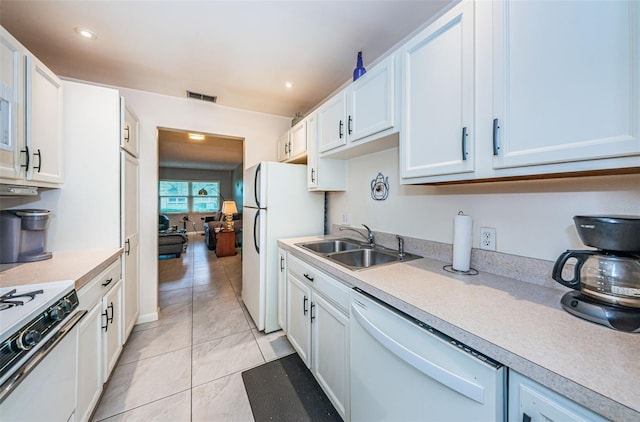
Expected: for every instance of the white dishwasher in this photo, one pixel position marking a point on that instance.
(404, 370)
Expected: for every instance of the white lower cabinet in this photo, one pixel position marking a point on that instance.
(100, 336)
(282, 289)
(531, 402)
(319, 328)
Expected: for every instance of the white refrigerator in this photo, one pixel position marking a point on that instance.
(276, 205)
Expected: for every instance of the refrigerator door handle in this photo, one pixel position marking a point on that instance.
(255, 187)
(255, 237)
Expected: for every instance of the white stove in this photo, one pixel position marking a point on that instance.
(30, 315)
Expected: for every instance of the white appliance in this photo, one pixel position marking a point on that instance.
(276, 205)
(404, 370)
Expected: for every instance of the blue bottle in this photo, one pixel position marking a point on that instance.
(359, 70)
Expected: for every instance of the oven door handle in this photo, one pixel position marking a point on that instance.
(12, 383)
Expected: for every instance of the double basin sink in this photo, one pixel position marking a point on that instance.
(355, 255)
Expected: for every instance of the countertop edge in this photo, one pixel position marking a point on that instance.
(564, 386)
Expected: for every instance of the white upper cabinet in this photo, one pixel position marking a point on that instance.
(364, 112)
(292, 145)
(11, 106)
(323, 174)
(566, 82)
(438, 128)
(30, 118)
(44, 123)
(129, 139)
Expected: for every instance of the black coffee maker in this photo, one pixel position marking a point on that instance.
(606, 281)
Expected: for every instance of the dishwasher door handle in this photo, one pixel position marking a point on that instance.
(456, 383)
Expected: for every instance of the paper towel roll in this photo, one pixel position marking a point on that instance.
(462, 227)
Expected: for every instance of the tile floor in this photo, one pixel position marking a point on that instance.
(186, 366)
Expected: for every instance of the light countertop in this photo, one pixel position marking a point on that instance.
(80, 266)
(519, 324)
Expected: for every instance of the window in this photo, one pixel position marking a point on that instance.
(183, 196)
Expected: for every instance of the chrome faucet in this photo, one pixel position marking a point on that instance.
(400, 246)
(369, 236)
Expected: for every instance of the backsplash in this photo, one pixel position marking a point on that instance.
(529, 270)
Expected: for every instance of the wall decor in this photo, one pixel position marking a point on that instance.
(380, 188)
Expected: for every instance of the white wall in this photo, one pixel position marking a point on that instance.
(531, 218)
(259, 131)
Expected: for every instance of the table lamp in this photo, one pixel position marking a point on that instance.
(228, 209)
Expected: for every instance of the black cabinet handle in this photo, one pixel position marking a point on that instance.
(39, 160)
(308, 277)
(496, 147)
(105, 314)
(111, 319)
(313, 306)
(340, 125)
(313, 179)
(27, 158)
(526, 418)
(349, 125)
(464, 143)
(106, 283)
(304, 305)
(281, 263)
(126, 136)
(127, 249)
(286, 148)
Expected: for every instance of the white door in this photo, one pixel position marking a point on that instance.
(283, 147)
(112, 328)
(298, 140)
(130, 239)
(372, 102)
(129, 138)
(282, 289)
(254, 264)
(331, 123)
(44, 122)
(11, 106)
(298, 308)
(90, 377)
(330, 354)
(559, 95)
(438, 88)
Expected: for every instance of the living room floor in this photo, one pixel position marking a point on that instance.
(187, 364)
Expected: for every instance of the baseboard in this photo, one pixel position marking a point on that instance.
(153, 316)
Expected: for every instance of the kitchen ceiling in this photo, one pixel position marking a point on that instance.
(242, 52)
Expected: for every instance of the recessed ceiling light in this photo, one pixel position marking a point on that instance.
(288, 84)
(196, 137)
(86, 33)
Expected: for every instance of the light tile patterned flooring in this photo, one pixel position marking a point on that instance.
(186, 366)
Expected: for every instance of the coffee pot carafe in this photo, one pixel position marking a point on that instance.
(24, 233)
(606, 281)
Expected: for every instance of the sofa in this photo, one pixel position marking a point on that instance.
(169, 242)
(215, 222)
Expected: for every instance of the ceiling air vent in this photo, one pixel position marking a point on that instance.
(203, 97)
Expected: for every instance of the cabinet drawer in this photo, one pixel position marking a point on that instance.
(330, 288)
(92, 292)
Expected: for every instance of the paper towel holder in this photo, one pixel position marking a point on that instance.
(449, 268)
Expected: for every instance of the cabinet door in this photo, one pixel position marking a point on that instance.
(283, 147)
(298, 141)
(438, 87)
(44, 122)
(372, 102)
(11, 106)
(130, 238)
(331, 123)
(298, 306)
(111, 328)
(90, 376)
(330, 353)
(565, 95)
(129, 137)
(312, 152)
(282, 289)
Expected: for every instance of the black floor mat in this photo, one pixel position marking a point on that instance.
(285, 390)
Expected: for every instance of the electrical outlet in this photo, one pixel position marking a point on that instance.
(488, 238)
(345, 218)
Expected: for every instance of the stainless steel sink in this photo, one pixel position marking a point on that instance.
(367, 258)
(355, 255)
(324, 247)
